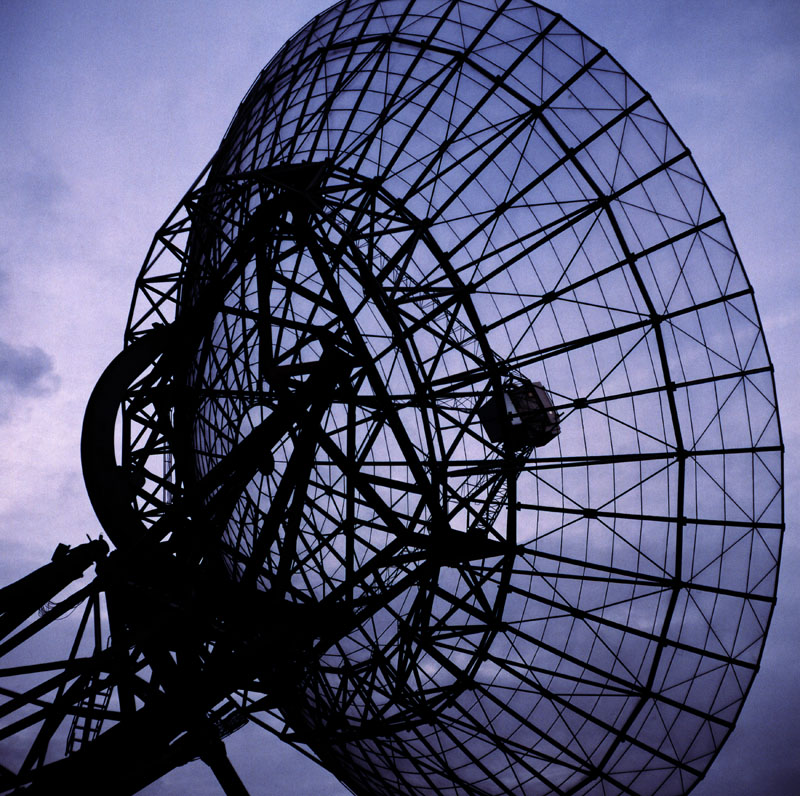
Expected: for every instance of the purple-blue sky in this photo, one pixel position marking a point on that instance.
(108, 111)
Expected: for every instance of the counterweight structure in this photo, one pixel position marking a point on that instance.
(450, 451)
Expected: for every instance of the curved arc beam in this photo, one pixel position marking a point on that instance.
(109, 491)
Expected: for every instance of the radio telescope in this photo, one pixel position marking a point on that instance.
(448, 448)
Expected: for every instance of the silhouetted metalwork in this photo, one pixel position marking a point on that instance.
(449, 451)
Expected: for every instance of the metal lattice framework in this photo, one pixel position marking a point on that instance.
(419, 209)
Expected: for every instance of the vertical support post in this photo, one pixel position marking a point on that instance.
(216, 758)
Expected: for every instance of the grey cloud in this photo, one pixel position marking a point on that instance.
(26, 370)
(3, 278)
(36, 188)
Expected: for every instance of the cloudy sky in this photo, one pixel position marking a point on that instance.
(109, 110)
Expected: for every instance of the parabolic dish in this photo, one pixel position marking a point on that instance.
(418, 209)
